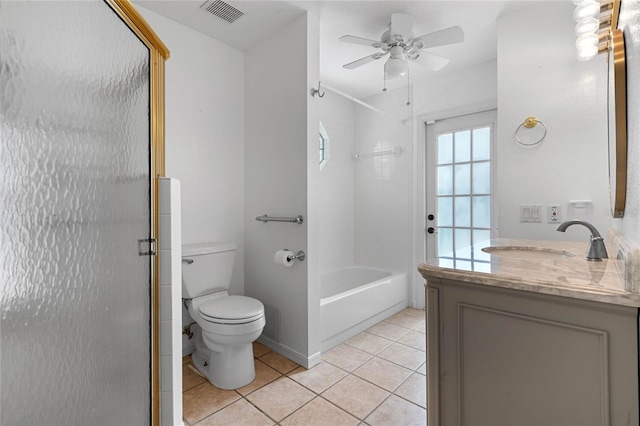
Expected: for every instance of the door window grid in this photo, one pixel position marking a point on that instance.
(464, 197)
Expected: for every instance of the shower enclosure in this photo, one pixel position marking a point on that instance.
(76, 163)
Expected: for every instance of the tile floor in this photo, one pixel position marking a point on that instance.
(376, 378)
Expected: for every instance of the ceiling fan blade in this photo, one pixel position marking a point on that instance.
(441, 38)
(360, 40)
(429, 60)
(401, 25)
(362, 61)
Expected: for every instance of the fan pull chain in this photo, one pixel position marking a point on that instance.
(408, 91)
(384, 79)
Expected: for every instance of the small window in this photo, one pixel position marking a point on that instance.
(323, 146)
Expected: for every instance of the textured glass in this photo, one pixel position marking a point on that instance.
(74, 200)
(462, 241)
(481, 144)
(445, 242)
(445, 180)
(462, 211)
(462, 146)
(481, 178)
(445, 149)
(482, 212)
(445, 211)
(462, 179)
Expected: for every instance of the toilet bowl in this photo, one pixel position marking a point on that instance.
(228, 324)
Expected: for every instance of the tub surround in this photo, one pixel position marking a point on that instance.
(614, 280)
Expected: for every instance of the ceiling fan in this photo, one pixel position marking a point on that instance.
(400, 44)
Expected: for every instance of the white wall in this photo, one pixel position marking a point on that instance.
(630, 23)
(336, 205)
(205, 137)
(539, 75)
(278, 110)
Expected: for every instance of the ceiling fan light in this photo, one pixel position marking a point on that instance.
(396, 67)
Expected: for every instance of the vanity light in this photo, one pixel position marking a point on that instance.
(595, 20)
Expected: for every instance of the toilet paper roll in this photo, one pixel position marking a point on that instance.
(284, 257)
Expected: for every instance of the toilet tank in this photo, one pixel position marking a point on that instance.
(210, 270)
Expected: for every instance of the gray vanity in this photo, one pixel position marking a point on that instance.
(536, 337)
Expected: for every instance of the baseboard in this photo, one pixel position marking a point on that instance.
(293, 355)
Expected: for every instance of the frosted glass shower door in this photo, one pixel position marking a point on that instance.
(74, 201)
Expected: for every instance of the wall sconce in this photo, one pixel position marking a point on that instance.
(595, 20)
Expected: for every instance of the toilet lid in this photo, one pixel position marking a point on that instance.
(232, 310)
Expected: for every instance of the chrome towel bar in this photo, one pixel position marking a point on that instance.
(264, 218)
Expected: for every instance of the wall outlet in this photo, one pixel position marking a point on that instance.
(553, 213)
(531, 213)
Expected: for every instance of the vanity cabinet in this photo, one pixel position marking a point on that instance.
(501, 356)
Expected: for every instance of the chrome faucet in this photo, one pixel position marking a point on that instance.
(596, 251)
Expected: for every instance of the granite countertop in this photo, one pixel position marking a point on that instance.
(611, 281)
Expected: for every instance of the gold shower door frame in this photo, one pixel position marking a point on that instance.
(158, 55)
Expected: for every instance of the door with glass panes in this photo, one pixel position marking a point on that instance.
(460, 185)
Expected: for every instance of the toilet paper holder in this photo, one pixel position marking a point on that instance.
(298, 256)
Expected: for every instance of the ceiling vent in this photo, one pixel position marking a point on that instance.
(222, 10)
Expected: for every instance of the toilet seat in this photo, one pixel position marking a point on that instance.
(231, 310)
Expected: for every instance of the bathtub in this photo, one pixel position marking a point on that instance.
(353, 299)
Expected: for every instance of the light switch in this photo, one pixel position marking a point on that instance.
(530, 213)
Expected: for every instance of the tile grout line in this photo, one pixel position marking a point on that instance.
(372, 356)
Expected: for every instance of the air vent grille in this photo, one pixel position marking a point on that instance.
(222, 10)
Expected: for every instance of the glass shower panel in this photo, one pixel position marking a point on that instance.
(74, 200)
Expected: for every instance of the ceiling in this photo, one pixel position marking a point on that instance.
(368, 19)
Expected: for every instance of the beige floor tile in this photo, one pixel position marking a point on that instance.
(421, 328)
(280, 398)
(264, 375)
(346, 357)
(318, 378)
(402, 320)
(403, 355)
(369, 342)
(186, 359)
(415, 340)
(414, 389)
(388, 331)
(238, 413)
(259, 349)
(320, 412)
(413, 312)
(204, 400)
(397, 411)
(355, 396)
(383, 373)
(190, 378)
(278, 362)
(423, 369)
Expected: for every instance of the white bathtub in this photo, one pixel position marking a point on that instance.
(353, 299)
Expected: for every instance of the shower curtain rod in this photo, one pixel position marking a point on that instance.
(364, 104)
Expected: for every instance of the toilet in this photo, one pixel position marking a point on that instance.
(227, 324)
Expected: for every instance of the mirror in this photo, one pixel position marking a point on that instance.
(324, 146)
(617, 108)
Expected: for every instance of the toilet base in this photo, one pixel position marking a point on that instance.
(232, 368)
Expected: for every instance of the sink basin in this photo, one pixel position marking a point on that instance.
(523, 252)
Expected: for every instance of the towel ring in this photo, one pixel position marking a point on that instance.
(530, 123)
